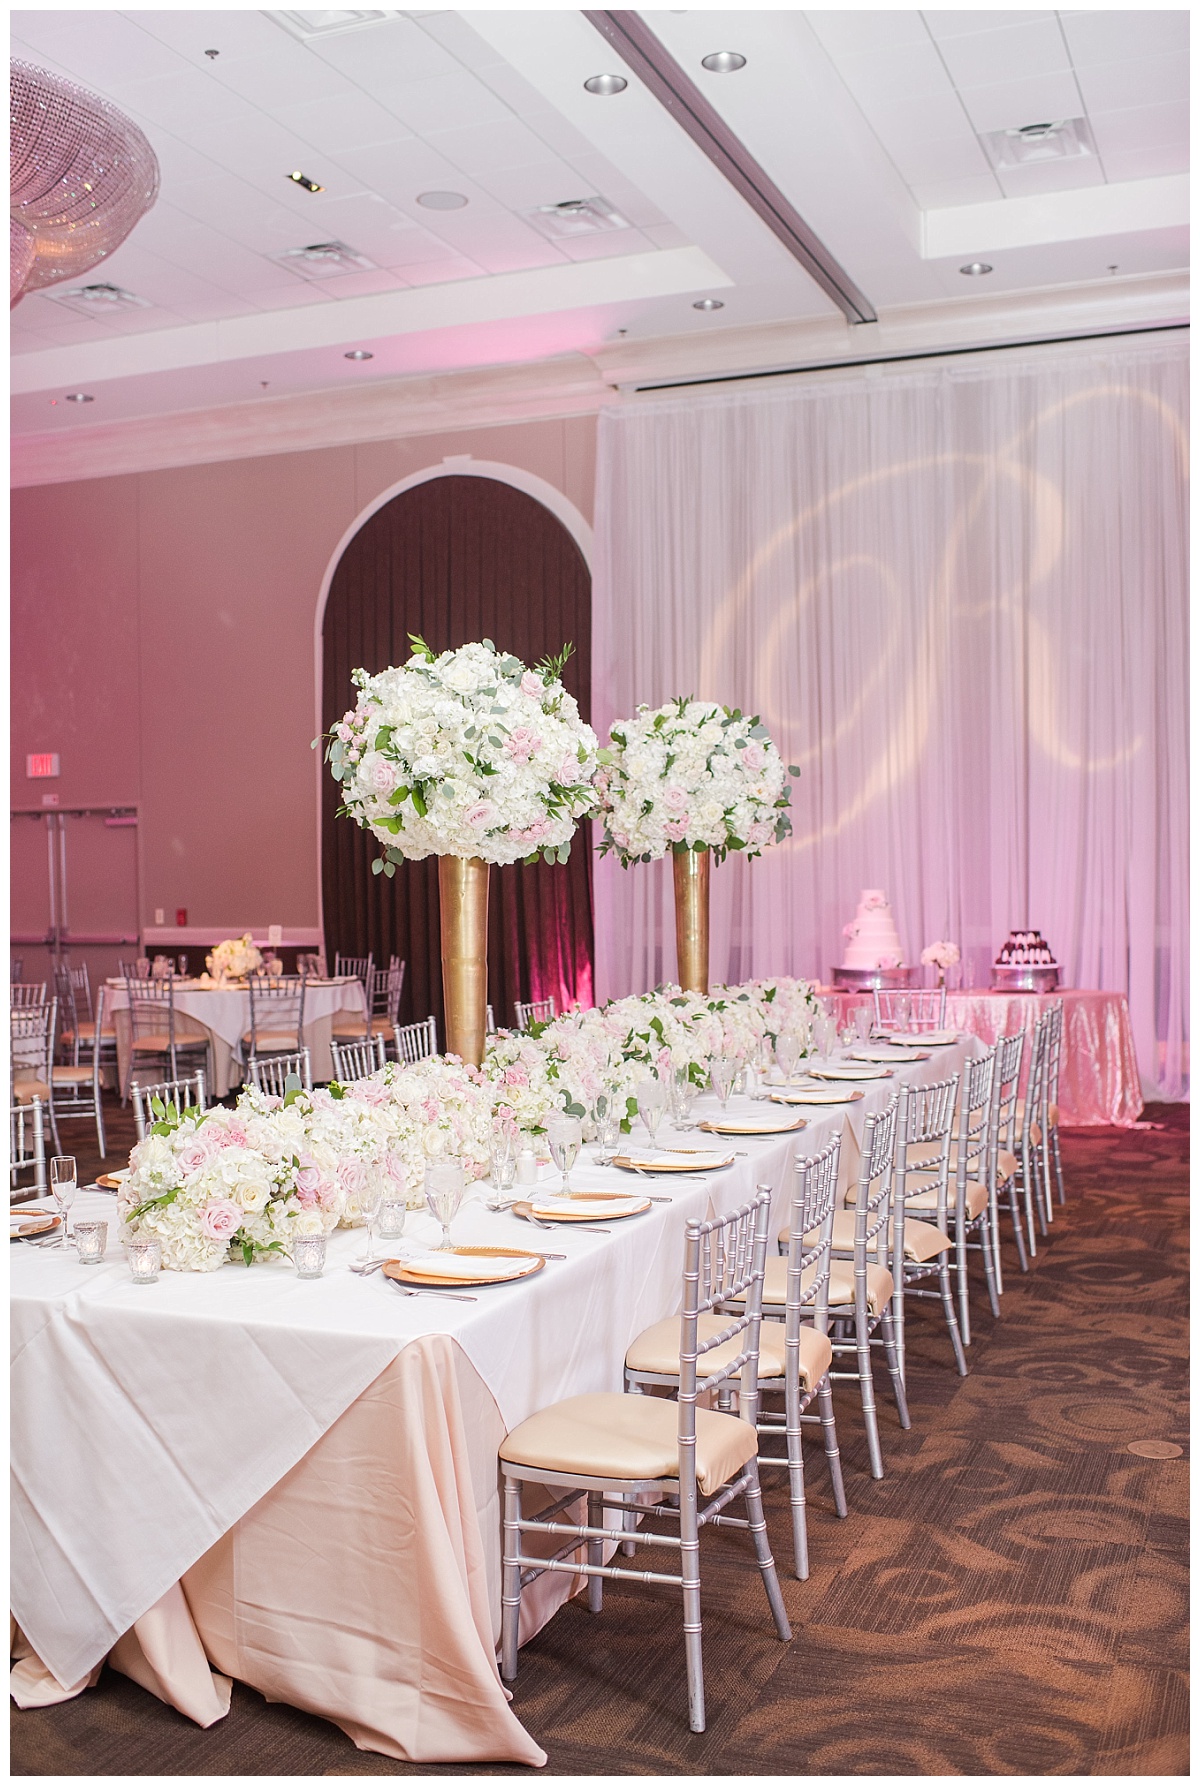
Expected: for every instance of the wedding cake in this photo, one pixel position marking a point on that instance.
(872, 940)
(1025, 963)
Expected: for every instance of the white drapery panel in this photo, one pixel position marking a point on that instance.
(957, 596)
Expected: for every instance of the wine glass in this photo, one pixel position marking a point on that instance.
(370, 1197)
(63, 1185)
(721, 1075)
(444, 1185)
(565, 1134)
(608, 1127)
(502, 1160)
(864, 1018)
(650, 1105)
(787, 1053)
(682, 1094)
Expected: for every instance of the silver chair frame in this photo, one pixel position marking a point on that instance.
(31, 1032)
(185, 1094)
(416, 1041)
(276, 1006)
(853, 1333)
(1032, 1177)
(149, 1002)
(1053, 1065)
(538, 1010)
(927, 1007)
(1006, 1083)
(75, 1098)
(357, 1060)
(724, 1261)
(270, 1073)
(971, 1154)
(925, 1118)
(26, 1147)
(25, 994)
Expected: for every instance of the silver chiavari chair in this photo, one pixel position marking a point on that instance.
(538, 1010)
(609, 1446)
(1053, 1065)
(16, 968)
(184, 1094)
(358, 1060)
(24, 995)
(355, 1026)
(898, 1009)
(270, 1073)
(26, 1148)
(79, 1031)
(153, 1031)
(799, 1283)
(861, 1296)
(276, 1015)
(970, 1204)
(1029, 1136)
(416, 1041)
(31, 1058)
(77, 1084)
(923, 1249)
(1003, 1163)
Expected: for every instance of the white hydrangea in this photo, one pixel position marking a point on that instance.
(466, 754)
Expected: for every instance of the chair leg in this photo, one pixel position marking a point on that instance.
(894, 1371)
(689, 1569)
(510, 1587)
(989, 1265)
(960, 1357)
(1014, 1210)
(795, 1468)
(1058, 1172)
(99, 1117)
(964, 1299)
(866, 1390)
(762, 1550)
(1027, 1198)
(595, 1553)
(994, 1222)
(833, 1456)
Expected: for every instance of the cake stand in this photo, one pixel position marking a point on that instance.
(1024, 977)
(871, 979)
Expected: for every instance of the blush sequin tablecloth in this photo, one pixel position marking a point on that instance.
(1098, 1082)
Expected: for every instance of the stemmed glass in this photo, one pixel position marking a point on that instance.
(502, 1160)
(787, 1053)
(608, 1127)
(63, 1185)
(650, 1105)
(370, 1199)
(902, 1006)
(565, 1134)
(444, 1185)
(864, 1019)
(721, 1075)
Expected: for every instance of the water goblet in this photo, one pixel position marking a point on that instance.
(721, 1075)
(63, 1186)
(565, 1134)
(787, 1053)
(650, 1105)
(369, 1199)
(864, 1019)
(502, 1168)
(445, 1181)
(902, 1010)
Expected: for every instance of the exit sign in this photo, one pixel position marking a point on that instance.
(41, 766)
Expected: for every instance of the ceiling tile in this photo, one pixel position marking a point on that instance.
(523, 189)
(285, 76)
(448, 102)
(949, 159)
(985, 57)
(391, 52)
(1151, 80)
(1141, 127)
(1010, 104)
(411, 248)
(1113, 36)
(959, 24)
(443, 272)
(234, 34)
(346, 121)
(1146, 164)
(452, 32)
(930, 119)
(362, 284)
(605, 245)
(103, 46)
(853, 30)
(937, 195)
(486, 148)
(189, 103)
(911, 69)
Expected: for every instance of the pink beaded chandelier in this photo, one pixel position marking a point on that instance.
(82, 176)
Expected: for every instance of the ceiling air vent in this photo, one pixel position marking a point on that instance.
(324, 260)
(577, 217)
(98, 300)
(306, 25)
(1064, 140)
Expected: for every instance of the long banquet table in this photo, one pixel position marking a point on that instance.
(1099, 1081)
(221, 1015)
(295, 1484)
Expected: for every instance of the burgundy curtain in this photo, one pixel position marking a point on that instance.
(458, 559)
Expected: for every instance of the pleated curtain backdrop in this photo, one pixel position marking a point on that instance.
(456, 559)
(957, 594)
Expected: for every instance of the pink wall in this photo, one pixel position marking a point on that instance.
(162, 643)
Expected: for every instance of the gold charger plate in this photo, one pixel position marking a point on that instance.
(406, 1272)
(901, 1057)
(108, 1181)
(825, 1095)
(705, 1161)
(36, 1224)
(731, 1126)
(565, 1214)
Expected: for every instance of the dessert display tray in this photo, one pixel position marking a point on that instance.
(866, 979)
(1024, 978)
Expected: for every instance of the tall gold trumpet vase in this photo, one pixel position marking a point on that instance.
(463, 891)
(692, 869)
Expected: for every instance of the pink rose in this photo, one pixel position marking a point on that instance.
(381, 776)
(482, 813)
(675, 800)
(754, 756)
(220, 1219)
(533, 686)
(523, 744)
(676, 829)
(351, 1177)
(532, 833)
(192, 1157)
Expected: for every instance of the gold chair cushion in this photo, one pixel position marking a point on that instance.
(977, 1197)
(347, 1027)
(87, 1033)
(656, 1351)
(71, 1075)
(1006, 1164)
(923, 1242)
(841, 1284)
(1051, 1116)
(629, 1438)
(155, 1044)
(26, 1090)
(273, 1042)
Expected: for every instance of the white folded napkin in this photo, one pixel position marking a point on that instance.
(699, 1159)
(933, 1038)
(766, 1123)
(458, 1265)
(885, 1054)
(850, 1073)
(591, 1208)
(811, 1094)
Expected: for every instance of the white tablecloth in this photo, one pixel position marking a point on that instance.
(225, 1015)
(146, 1421)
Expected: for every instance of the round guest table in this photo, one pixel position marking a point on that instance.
(1098, 1082)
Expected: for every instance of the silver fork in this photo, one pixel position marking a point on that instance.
(579, 1229)
(447, 1295)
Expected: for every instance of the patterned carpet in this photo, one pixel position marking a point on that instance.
(1010, 1599)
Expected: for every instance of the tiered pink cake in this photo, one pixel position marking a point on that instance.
(872, 940)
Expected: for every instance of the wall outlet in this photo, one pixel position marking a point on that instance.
(158, 914)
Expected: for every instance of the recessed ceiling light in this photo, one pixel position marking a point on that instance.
(1063, 140)
(328, 23)
(212, 54)
(709, 304)
(442, 201)
(300, 179)
(974, 267)
(358, 353)
(100, 297)
(606, 84)
(723, 62)
(79, 397)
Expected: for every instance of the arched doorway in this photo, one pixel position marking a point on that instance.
(457, 558)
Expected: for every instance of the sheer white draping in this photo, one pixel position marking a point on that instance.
(957, 596)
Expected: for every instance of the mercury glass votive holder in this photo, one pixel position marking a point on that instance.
(145, 1260)
(392, 1212)
(308, 1255)
(91, 1241)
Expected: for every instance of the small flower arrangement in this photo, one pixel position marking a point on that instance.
(691, 775)
(234, 959)
(940, 955)
(467, 753)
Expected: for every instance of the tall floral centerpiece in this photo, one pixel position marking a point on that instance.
(698, 780)
(471, 757)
